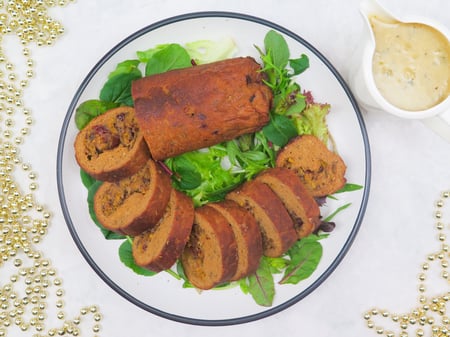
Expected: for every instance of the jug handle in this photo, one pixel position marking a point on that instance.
(440, 124)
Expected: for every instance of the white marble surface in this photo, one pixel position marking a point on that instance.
(410, 167)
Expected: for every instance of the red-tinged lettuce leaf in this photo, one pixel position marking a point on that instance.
(261, 285)
(305, 256)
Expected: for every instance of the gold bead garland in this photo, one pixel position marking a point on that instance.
(33, 290)
(430, 317)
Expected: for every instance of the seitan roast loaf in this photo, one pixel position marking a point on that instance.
(159, 247)
(276, 226)
(300, 204)
(133, 204)
(210, 256)
(321, 170)
(247, 235)
(192, 108)
(111, 147)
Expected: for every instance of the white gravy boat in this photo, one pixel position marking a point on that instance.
(361, 78)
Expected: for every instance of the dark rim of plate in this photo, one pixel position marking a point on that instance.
(189, 320)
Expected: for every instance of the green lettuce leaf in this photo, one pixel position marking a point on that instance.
(206, 51)
(145, 55)
(109, 235)
(90, 109)
(126, 67)
(201, 175)
(126, 256)
(313, 121)
(117, 88)
(171, 57)
(280, 130)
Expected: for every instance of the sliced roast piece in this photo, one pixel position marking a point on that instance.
(134, 204)
(298, 201)
(210, 256)
(159, 247)
(247, 235)
(276, 226)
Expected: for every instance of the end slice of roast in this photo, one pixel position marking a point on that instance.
(111, 146)
(321, 170)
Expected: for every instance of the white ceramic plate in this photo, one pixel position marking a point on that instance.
(162, 294)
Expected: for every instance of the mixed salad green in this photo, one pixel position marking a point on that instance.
(207, 175)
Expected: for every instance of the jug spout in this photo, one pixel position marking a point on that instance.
(370, 9)
(373, 8)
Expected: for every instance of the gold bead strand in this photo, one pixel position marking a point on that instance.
(431, 314)
(24, 301)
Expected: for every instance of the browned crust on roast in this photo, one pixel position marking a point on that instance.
(136, 203)
(111, 146)
(210, 256)
(321, 170)
(247, 235)
(196, 107)
(159, 247)
(276, 226)
(300, 204)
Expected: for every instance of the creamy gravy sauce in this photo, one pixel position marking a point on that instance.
(411, 65)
